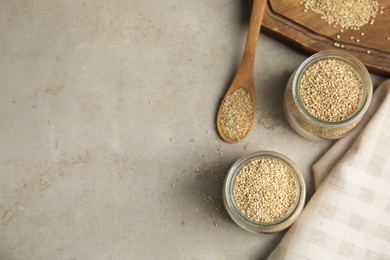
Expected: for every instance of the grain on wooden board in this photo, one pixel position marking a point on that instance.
(349, 14)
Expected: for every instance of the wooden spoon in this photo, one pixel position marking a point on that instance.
(244, 77)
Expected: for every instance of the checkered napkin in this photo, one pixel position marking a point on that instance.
(348, 216)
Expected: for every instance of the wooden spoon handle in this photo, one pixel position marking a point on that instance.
(257, 14)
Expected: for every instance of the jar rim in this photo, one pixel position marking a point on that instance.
(265, 227)
(347, 58)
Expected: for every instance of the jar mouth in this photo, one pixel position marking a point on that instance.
(231, 203)
(348, 59)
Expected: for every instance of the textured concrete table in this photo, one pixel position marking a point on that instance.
(107, 128)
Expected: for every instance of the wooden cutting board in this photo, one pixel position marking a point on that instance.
(287, 20)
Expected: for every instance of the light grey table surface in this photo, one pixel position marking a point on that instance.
(107, 128)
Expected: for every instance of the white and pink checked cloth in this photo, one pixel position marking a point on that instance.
(348, 216)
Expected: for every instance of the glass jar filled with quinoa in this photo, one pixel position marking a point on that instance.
(327, 95)
(264, 192)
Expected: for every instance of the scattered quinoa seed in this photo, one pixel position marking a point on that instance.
(265, 190)
(236, 114)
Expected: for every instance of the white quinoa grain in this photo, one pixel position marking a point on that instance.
(265, 190)
(351, 14)
(331, 90)
(236, 114)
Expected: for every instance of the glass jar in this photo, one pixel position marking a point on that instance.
(311, 127)
(242, 219)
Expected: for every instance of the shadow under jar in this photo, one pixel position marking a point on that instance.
(327, 95)
(264, 192)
